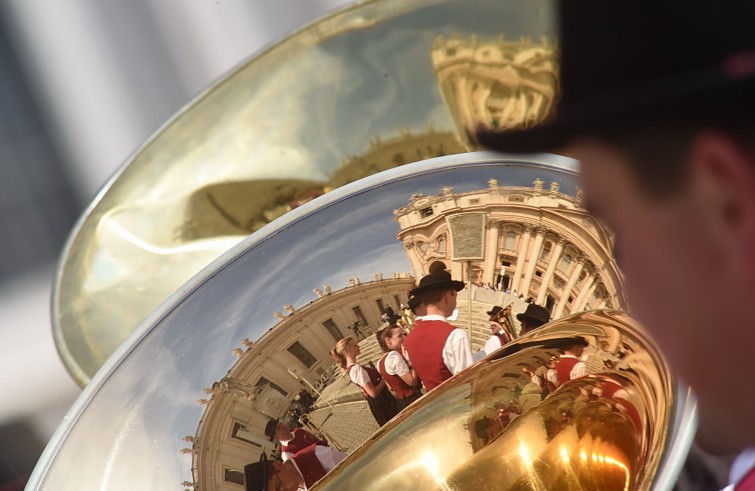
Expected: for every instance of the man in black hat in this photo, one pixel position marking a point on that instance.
(570, 364)
(291, 441)
(532, 318)
(437, 349)
(658, 104)
(499, 336)
(299, 472)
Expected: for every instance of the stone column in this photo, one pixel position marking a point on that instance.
(534, 255)
(520, 258)
(491, 251)
(587, 290)
(414, 258)
(567, 289)
(548, 276)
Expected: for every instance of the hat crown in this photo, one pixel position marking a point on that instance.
(610, 46)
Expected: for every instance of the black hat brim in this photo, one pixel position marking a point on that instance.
(709, 96)
(441, 285)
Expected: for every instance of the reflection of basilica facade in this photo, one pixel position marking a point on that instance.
(537, 242)
(271, 371)
(500, 84)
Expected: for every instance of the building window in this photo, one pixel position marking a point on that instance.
(301, 353)
(380, 305)
(262, 382)
(565, 263)
(510, 241)
(426, 212)
(546, 251)
(360, 316)
(398, 300)
(474, 201)
(241, 432)
(539, 274)
(442, 244)
(333, 329)
(234, 476)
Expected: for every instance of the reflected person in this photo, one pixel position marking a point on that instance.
(532, 318)
(499, 336)
(664, 129)
(397, 373)
(435, 348)
(381, 401)
(570, 364)
(300, 472)
(292, 441)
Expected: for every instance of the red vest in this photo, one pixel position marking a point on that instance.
(425, 348)
(401, 388)
(564, 368)
(310, 468)
(302, 439)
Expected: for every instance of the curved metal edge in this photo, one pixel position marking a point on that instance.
(680, 441)
(472, 159)
(74, 369)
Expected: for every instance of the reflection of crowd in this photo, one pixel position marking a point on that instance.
(305, 459)
(430, 354)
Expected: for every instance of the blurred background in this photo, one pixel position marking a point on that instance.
(83, 83)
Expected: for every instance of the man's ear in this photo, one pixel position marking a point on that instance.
(723, 176)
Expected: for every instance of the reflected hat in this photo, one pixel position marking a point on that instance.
(627, 64)
(535, 313)
(572, 341)
(270, 428)
(256, 474)
(437, 279)
(493, 313)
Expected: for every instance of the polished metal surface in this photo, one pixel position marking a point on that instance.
(185, 400)
(492, 428)
(375, 86)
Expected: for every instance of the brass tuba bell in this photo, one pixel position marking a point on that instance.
(235, 330)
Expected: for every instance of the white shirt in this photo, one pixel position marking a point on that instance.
(394, 364)
(358, 375)
(457, 352)
(741, 466)
(492, 344)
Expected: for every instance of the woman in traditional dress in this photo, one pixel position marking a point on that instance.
(396, 371)
(381, 401)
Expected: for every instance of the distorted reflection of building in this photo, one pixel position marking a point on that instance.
(405, 147)
(270, 373)
(497, 84)
(538, 243)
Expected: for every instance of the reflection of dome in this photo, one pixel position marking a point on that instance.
(539, 243)
(271, 371)
(499, 84)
